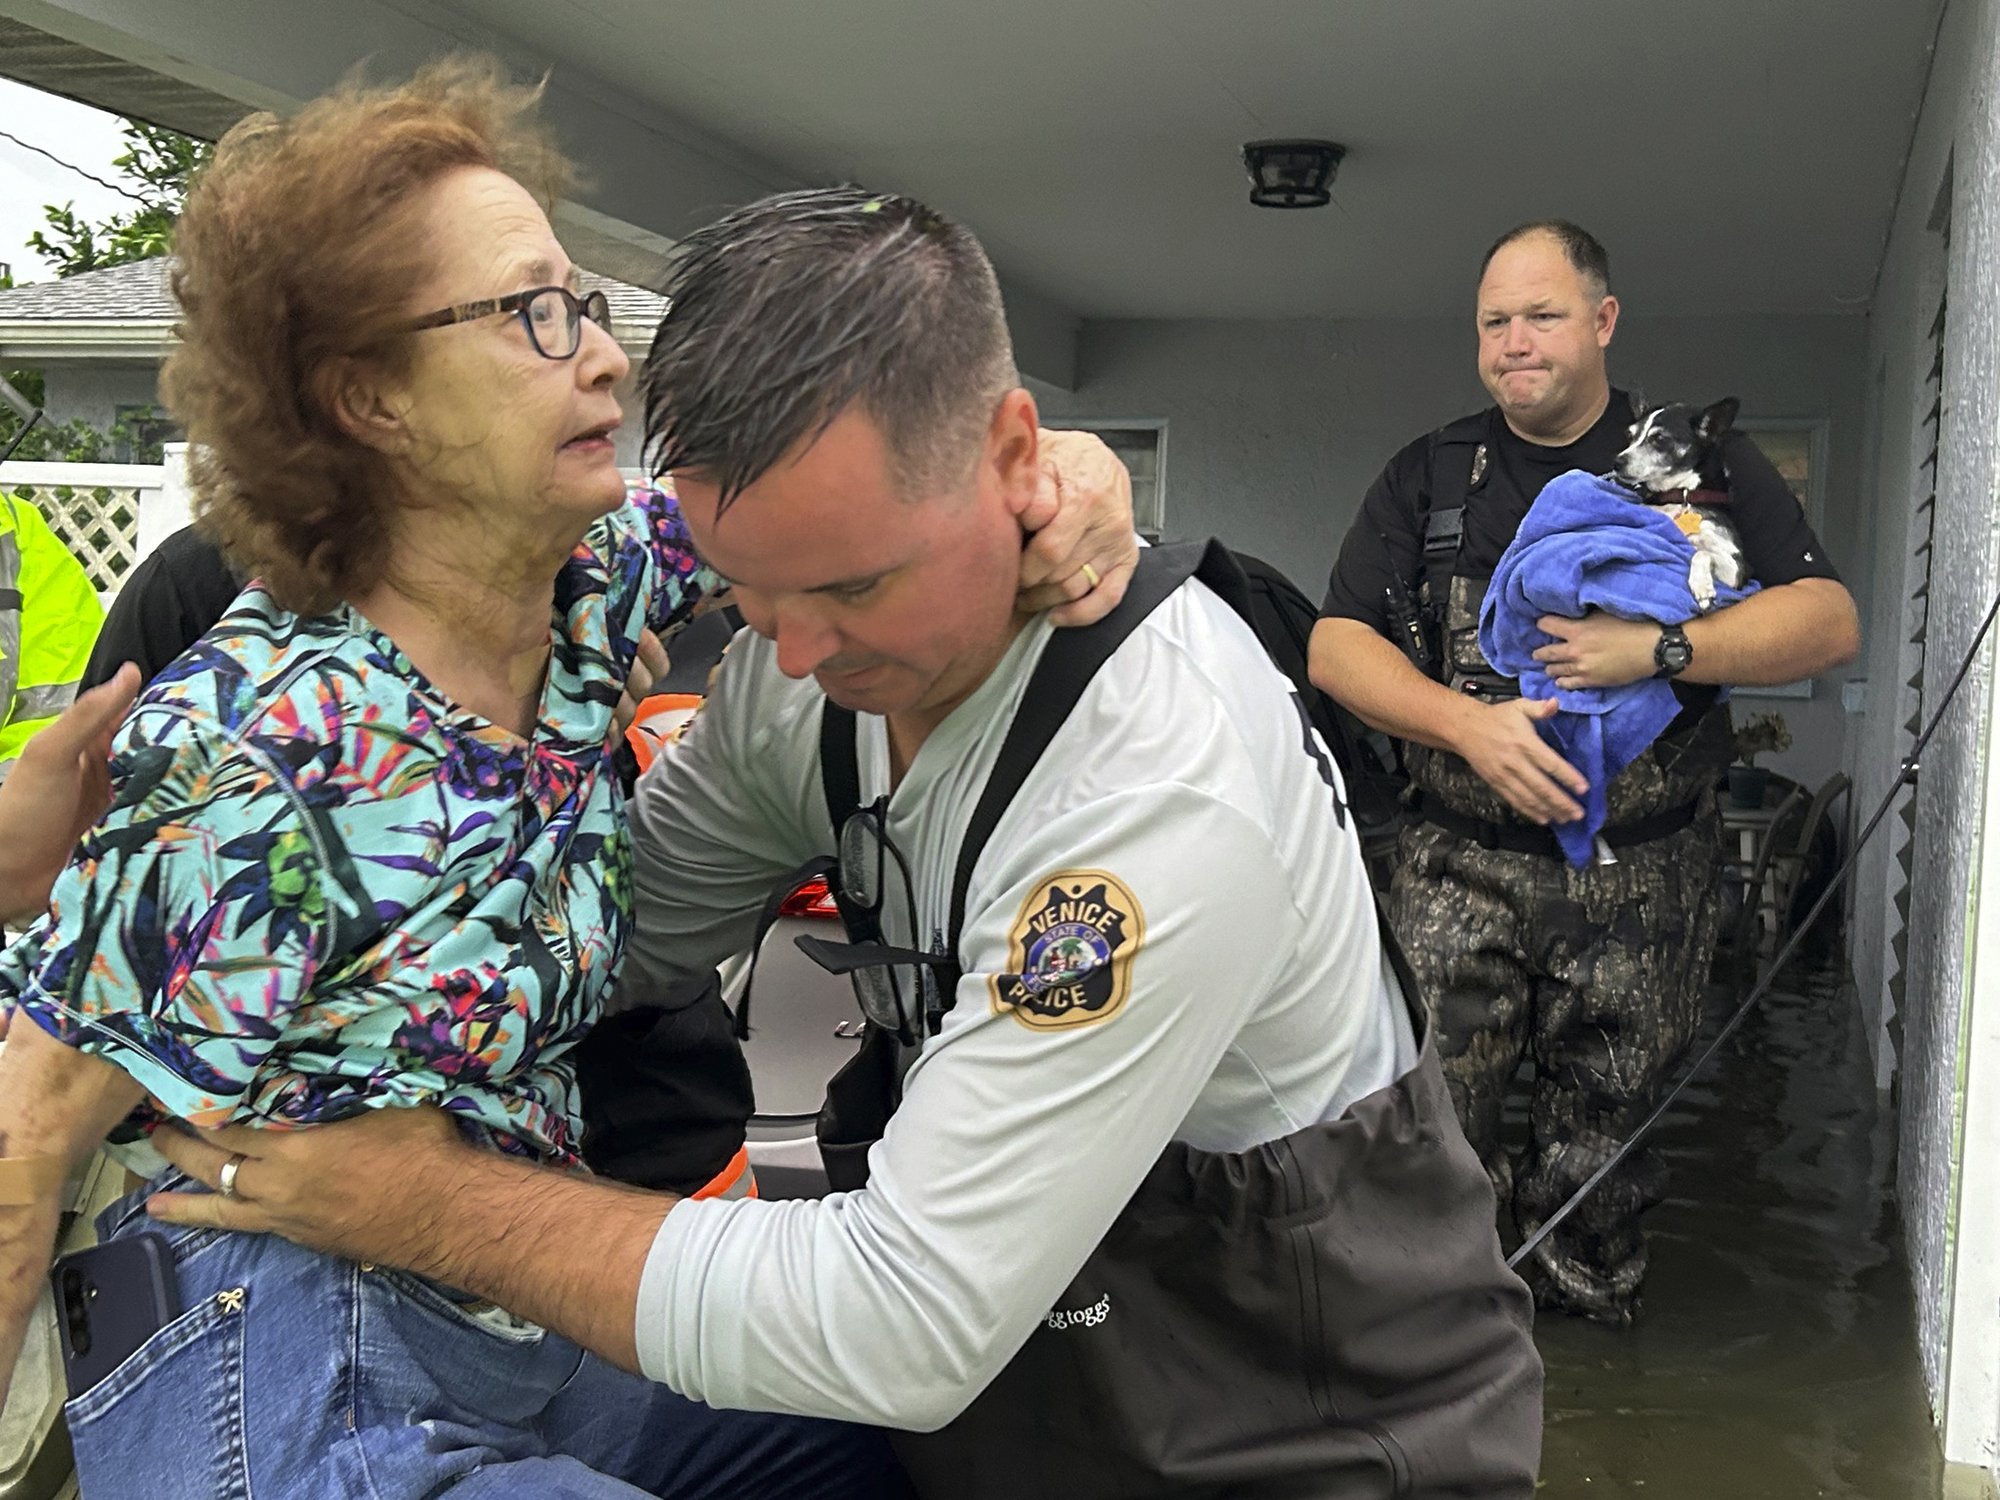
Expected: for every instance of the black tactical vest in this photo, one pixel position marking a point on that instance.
(1686, 760)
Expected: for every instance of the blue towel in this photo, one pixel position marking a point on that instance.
(1586, 544)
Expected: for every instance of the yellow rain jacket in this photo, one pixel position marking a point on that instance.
(49, 618)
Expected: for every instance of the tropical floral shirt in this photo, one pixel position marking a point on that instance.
(322, 887)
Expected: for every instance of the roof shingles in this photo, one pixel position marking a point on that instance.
(138, 293)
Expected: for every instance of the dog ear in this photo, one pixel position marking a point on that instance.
(1717, 420)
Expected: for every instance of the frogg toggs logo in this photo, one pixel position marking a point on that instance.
(1080, 1317)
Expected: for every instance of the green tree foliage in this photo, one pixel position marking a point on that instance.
(154, 172)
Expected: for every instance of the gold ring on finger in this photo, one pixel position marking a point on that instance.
(1090, 575)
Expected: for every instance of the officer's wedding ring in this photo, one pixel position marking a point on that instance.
(225, 1180)
(1090, 574)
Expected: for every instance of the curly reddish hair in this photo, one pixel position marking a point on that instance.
(298, 251)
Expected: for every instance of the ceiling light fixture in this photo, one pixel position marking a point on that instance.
(1292, 174)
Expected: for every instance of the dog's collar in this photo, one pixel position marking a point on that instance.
(1700, 497)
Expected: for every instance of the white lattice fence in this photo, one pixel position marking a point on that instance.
(95, 510)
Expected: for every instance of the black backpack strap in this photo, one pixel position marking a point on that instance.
(839, 763)
(840, 775)
(1069, 662)
(1456, 463)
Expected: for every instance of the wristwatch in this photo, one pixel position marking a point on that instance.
(1672, 655)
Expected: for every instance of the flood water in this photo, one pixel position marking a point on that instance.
(1775, 1355)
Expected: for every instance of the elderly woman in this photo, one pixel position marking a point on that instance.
(363, 848)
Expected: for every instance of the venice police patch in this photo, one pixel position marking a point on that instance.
(1071, 949)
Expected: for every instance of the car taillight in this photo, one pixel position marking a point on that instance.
(812, 899)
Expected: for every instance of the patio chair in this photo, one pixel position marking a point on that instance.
(1759, 903)
(1792, 862)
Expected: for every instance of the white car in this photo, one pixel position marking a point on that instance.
(804, 1026)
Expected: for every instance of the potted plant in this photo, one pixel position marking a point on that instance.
(1754, 736)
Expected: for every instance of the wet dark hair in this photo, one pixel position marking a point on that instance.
(790, 310)
(1579, 245)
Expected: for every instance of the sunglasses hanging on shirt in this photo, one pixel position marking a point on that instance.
(897, 988)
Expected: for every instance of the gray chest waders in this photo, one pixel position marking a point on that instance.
(1322, 1315)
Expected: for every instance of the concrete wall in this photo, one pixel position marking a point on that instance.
(1950, 796)
(1948, 982)
(1898, 361)
(1277, 428)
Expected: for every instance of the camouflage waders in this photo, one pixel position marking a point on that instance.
(1597, 975)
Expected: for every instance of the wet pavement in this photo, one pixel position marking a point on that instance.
(1775, 1355)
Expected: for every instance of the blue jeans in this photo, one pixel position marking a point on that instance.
(299, 1375)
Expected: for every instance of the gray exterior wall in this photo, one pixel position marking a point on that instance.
(1277, 428)
(93, 390)
(1955, 142)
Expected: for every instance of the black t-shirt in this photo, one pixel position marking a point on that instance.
(171, 601)
(1386, 541)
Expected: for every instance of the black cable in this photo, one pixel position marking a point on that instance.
(1904, 776)
(73, 167)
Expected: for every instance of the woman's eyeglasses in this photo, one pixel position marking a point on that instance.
(553, 316)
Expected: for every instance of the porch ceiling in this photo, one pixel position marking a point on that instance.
(1735, 157)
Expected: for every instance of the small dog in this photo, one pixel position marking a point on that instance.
(1674, 460)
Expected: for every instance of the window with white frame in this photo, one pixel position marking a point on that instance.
(1142, 445)
(1796, 446)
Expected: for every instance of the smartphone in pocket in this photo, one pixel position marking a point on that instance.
(110, 1299)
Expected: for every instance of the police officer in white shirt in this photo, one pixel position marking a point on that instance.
(1153, 1186)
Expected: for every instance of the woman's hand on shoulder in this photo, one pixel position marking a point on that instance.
(1081, 549)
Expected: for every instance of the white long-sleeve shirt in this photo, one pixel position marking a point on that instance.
(1178, 825)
